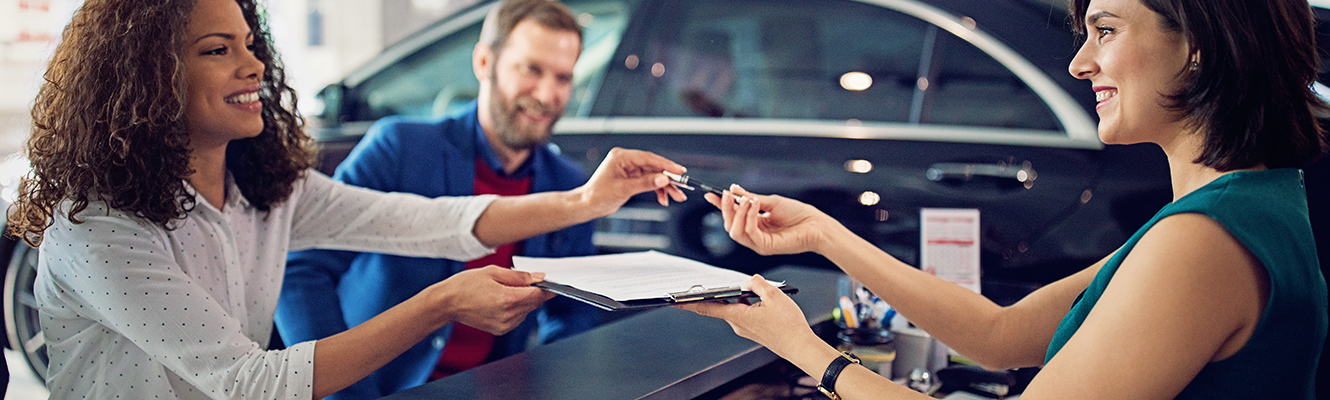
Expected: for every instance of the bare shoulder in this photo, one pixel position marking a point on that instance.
(1187, 294)
(1190, 261)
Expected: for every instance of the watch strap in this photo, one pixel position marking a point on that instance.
(828, 384)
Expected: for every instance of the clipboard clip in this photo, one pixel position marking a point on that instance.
(699, 292)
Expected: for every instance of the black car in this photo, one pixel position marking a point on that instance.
(868, 109)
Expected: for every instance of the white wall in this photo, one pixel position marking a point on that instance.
(354, 31)
(28, 32)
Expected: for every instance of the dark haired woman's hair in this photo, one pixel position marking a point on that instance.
(1251, 91)
(109, 122)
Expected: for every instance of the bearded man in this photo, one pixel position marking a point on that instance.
(498, 145)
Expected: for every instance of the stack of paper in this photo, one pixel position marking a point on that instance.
(628, 277)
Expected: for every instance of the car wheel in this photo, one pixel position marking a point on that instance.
(21, 318)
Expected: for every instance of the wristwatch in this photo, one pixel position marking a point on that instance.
(828, 384)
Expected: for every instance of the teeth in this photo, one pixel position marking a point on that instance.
(243, 98)
(1104, 95)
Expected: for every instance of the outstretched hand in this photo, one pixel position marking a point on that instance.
(776, 322)
(625, 173)
(492, 299)
(771, 224)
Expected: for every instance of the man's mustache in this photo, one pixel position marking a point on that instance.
(533, 106)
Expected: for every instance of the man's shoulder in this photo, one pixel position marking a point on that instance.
(416, 126)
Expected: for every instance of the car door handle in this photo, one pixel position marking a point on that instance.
(939, 172)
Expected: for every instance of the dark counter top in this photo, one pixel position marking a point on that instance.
(665, 353)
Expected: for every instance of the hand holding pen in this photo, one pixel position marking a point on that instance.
(683, 181)
(772, 224)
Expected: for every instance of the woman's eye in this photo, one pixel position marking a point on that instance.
(215, 51)
(1104, 30)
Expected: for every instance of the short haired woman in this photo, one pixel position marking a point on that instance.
(1219, 296)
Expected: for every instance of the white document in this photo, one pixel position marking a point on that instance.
(949, 247)
(633, 276)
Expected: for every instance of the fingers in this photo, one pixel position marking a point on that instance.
(751, 226)
(643, 160)
(710, 309)
(738, 227)
(675, 193)
(508, 277)
(727, 209)
(764, 289)
(712, 198)
(739, 190)
(646, 182)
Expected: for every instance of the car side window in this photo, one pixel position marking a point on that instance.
(832, 60)
(968, 87)
(437, 79)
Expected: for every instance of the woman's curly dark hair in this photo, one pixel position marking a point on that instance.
(109, 121)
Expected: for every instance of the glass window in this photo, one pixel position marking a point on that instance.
(770, 59)
(833, 60)
(438, 79)
(966, 86)
(431, 81)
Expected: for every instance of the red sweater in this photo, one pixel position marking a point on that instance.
(469, 347)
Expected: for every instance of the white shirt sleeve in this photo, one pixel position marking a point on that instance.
(116, 303)
(333, 215)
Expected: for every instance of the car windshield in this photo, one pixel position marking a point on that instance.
(834, 60)
(437, 79)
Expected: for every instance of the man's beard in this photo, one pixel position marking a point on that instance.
(521, 136)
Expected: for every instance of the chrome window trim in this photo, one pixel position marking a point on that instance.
(819, 128)
(1079, 127)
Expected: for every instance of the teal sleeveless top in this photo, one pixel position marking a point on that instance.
(1266, 211)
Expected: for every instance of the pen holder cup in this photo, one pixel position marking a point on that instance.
(873, 347)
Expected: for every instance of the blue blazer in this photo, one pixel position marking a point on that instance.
(432, 157)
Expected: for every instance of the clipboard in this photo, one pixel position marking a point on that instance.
(696, 293)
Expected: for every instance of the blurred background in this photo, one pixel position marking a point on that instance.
(320, 41)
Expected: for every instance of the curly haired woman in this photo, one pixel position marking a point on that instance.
(170, 178)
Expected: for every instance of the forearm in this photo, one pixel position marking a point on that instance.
(347, 357)
(511, 219)
(966, 321)
(855, 381)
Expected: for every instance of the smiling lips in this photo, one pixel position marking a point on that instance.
(248, 101)
(1103, 94)
(243, 98)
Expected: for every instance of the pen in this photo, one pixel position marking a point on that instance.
(848, 311)
(688, 183)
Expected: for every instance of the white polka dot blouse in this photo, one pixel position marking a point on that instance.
(130, 310)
